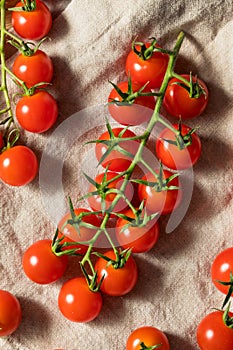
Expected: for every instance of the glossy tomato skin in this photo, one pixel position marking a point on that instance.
(84, 234)
(37, 113)
(221, 268)
(41, 265)
(117, 282)
(33, 25)
(213, 334)
(171, 156)
(77, 302)
(10, 313)
(149, 336)
(144, 71)
(135, 114)
(94, 201)
(18, 166)
(138, 239)
(117, 161)
(179, 104)
(33, 69)
(163, 202)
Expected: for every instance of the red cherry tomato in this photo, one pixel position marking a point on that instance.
(221, 269)
(77, 302)
(151, 70)
(164, 201)
(18, 166)
(139, 239)
(33, 25)
(33, 69)
(179, 104)
(10, 313)
(95, 200)
(149, 337)
(41, 265)
(138, 112)
(118, 281)
(37, 113)
(173, 157)
(84, 233)
(213, 334)
(117, 161)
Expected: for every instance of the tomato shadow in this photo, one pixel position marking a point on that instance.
(179, 343)
(35, 320)
(57, 7)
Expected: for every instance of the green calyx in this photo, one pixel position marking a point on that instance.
(145, 53)
(182, 141)
(228, 320)
(58, 247)
(122, 257)
(161, 183)
(144, 347)
(194, 89)
(28, 6)
(129, 97)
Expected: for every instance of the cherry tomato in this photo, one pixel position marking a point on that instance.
(41, 265)
(84, 233)
(10, 313)
(33, 69)
(179, 104)
(213, 334)
(164, 201)
(173, 157)
(95, 201)
(77, 302)
(139, 239)
(117, 161)
(118, 281)
(33, 25)
(18, 166)
(143, 71)
(221, 269)
(37, 113)
(148, 336)
(138, 112)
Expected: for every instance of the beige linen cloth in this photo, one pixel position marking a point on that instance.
(89, 44)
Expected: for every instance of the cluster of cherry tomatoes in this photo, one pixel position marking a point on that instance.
(36, 111)
(215, 330)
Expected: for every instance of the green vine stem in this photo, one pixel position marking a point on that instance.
(138, 156)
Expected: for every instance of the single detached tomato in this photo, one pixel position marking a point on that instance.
(77, 302)
(170, 154)
(10, 313)
(147, 337)
(222, 268)
(41, 265)
(139, 239)
(33, 24)
(136, 113)
(33, 69)
(18, 166)
(142, 70)
(117, 281)
(95, 200)
(213, 334)
(163, 200)
(82, 234)
(178, 102)
(37, 113)
(115, 160)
